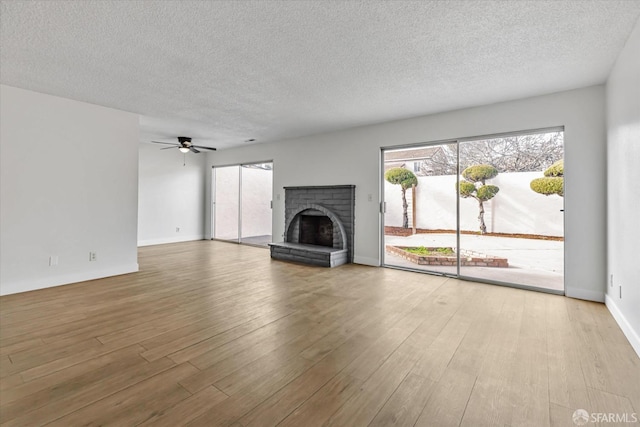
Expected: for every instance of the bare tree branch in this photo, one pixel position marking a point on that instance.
(521, 153)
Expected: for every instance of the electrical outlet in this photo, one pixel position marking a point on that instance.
(93, 256)
(611, 280)
(53, 260)
(620, 291)
(370, 197)
(177, 229)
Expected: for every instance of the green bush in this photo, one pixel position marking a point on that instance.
(467, 188)
(553, 182)
(403, 177)
(479, 173)
(548, 185)
(486, 192)
(556, 169)
(421, 250)
(474, 187)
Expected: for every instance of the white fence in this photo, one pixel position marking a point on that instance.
(515, 209)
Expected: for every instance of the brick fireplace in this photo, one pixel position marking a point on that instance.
(319, 225)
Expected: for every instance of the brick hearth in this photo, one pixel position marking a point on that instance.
(336, 202)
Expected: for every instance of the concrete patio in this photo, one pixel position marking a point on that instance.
(535, 263)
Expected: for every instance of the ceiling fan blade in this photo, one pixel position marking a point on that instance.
(168, 148)
(204, 148)
(166, 143)
(193, 150)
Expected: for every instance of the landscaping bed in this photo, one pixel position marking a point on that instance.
(446, 256)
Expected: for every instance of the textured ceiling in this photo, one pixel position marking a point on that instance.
(223, 72)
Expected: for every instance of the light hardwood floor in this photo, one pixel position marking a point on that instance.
(212, 333)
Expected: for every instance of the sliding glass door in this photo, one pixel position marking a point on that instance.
(509, 232)
(420, 208)
(226, 196)
(242, 203)
(486, 209)
(255, 207)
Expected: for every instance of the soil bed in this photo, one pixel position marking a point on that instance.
(446, 257)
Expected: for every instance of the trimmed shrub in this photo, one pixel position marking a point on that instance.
(467, 188)
(401, 176)
(548, 185)
(552, 183)
(486, 192)
(473, 176)
(405, 179)
(479, 173)
(556, 169)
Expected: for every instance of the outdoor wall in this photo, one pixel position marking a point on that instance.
(515, 209)
(68, 186)
(623, 152)
(170, 195)
(353, 157)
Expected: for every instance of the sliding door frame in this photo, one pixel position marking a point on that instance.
(457, 141)
(238, 240)
(383, 205)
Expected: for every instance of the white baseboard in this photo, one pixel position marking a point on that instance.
(585, 294)
(374, 262)
(49, 282)
(162, 241)
(628, 331)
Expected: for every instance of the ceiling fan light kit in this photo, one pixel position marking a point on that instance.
(184, 145)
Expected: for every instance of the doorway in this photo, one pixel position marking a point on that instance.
(241, 207)
(488, 209)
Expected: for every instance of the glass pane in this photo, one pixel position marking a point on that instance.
(226, 202)
(420, 226)
(509, 232)
(257, 185)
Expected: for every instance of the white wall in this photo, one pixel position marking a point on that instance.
(515, 209)
(353, 157)
(68, 186)
(170, 196)
(623, 150)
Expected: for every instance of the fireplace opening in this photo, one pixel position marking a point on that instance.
(316, 230)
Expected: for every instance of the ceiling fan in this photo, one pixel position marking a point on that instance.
(184, 145)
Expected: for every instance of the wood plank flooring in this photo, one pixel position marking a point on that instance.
(217, 334)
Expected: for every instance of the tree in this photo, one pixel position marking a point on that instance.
(553, 181)
(475, 186)
(406, 179)
(518, 153)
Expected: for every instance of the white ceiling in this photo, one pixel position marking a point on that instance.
(226, 71)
